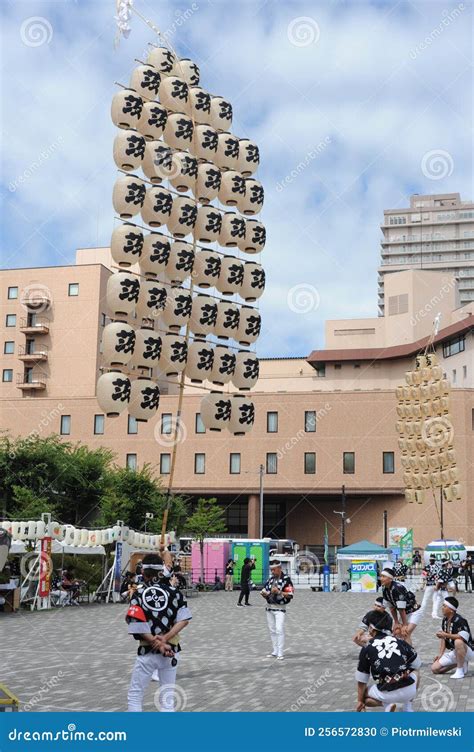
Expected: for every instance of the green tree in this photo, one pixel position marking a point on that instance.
(206, 521)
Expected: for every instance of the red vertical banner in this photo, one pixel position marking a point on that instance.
(45, 567)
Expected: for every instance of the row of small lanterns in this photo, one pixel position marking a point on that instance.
(184, 139)
(34, 530)
(426, 432)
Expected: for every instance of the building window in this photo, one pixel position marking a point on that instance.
(10, 319)
(165, 464)
(103, 319)
(65, 427)
(12, 293)
(199, 426)
(272, 463)
(272, 422)
(310, 463)
(131, 461)
(9, 348)
(348, 463)
(321, 370)
(166, 423)
(310, 421)
(99, 423)
(234, 464)
(132, 425)
(73, 289)
(7, 374)
(199, 464)
(454, 375)
(464, 372)
(454, 346)
(388, 462)
(337, 366)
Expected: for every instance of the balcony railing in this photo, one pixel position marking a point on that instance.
(36, 326)
(27, 354)
(36, 383)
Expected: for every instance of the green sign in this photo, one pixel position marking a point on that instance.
(406, 548)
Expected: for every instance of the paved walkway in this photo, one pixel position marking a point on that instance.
(80, 659)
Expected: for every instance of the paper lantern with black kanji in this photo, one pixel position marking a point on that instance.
(182, 217)
(118, 343)
(158, 162)
(152, 120)
(249, 325)
(246, 371)
(252, 200)
(126, 244)
(157, 206)
(144, 399)
(129, 148)
(207, 267)
(155, 254)
(113, 393)
(252, 240)
(215, 411)
(208, 224)
(126, 108)
(228, 317)
(231, 276)
(178, 308)
(147, 350)
(204, 144)
(128, 196)
(208, 182)
(162, 59)
(242, 415)
(178, 131)
(174, 353)
(174, 94)
(203, 315)
(232, 189)
(221, 114)
(249, 157)
(187, 69)
(145, 80)
(180, 264)
(227, 155)
(200, 361)
(184, 173)
(199, 104)
(122, 294)
(254, 281)
(152, 299)
(223, 366)
(232, 231)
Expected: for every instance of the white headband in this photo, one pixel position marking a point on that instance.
(377, 629)
(450, 605)
(387, 574)
(157, 567)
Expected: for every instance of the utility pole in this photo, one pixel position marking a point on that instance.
(441, 512)
(385, 529)
(343, 516)
(261, 500)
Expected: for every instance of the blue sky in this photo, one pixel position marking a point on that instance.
(355, 105)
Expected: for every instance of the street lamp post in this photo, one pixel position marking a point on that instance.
(343, 516)
(261, 500)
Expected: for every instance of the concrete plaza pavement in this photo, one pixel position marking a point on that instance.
(80, 658)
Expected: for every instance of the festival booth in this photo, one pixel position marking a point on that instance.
(358, 563)
(441, 549)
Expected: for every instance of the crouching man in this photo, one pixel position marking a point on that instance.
(457, 645)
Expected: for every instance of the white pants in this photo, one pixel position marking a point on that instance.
(401, 696)
(276, 625)
(449, 657)
(438, 598)
(143, 669)
(428, 593)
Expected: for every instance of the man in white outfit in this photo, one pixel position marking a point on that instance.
(431, 575)
(457, 645)
(278, 592)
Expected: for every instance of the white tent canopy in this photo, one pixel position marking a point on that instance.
(59, 547)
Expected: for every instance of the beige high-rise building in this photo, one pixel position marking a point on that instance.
(436, 232)
(322, 421)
